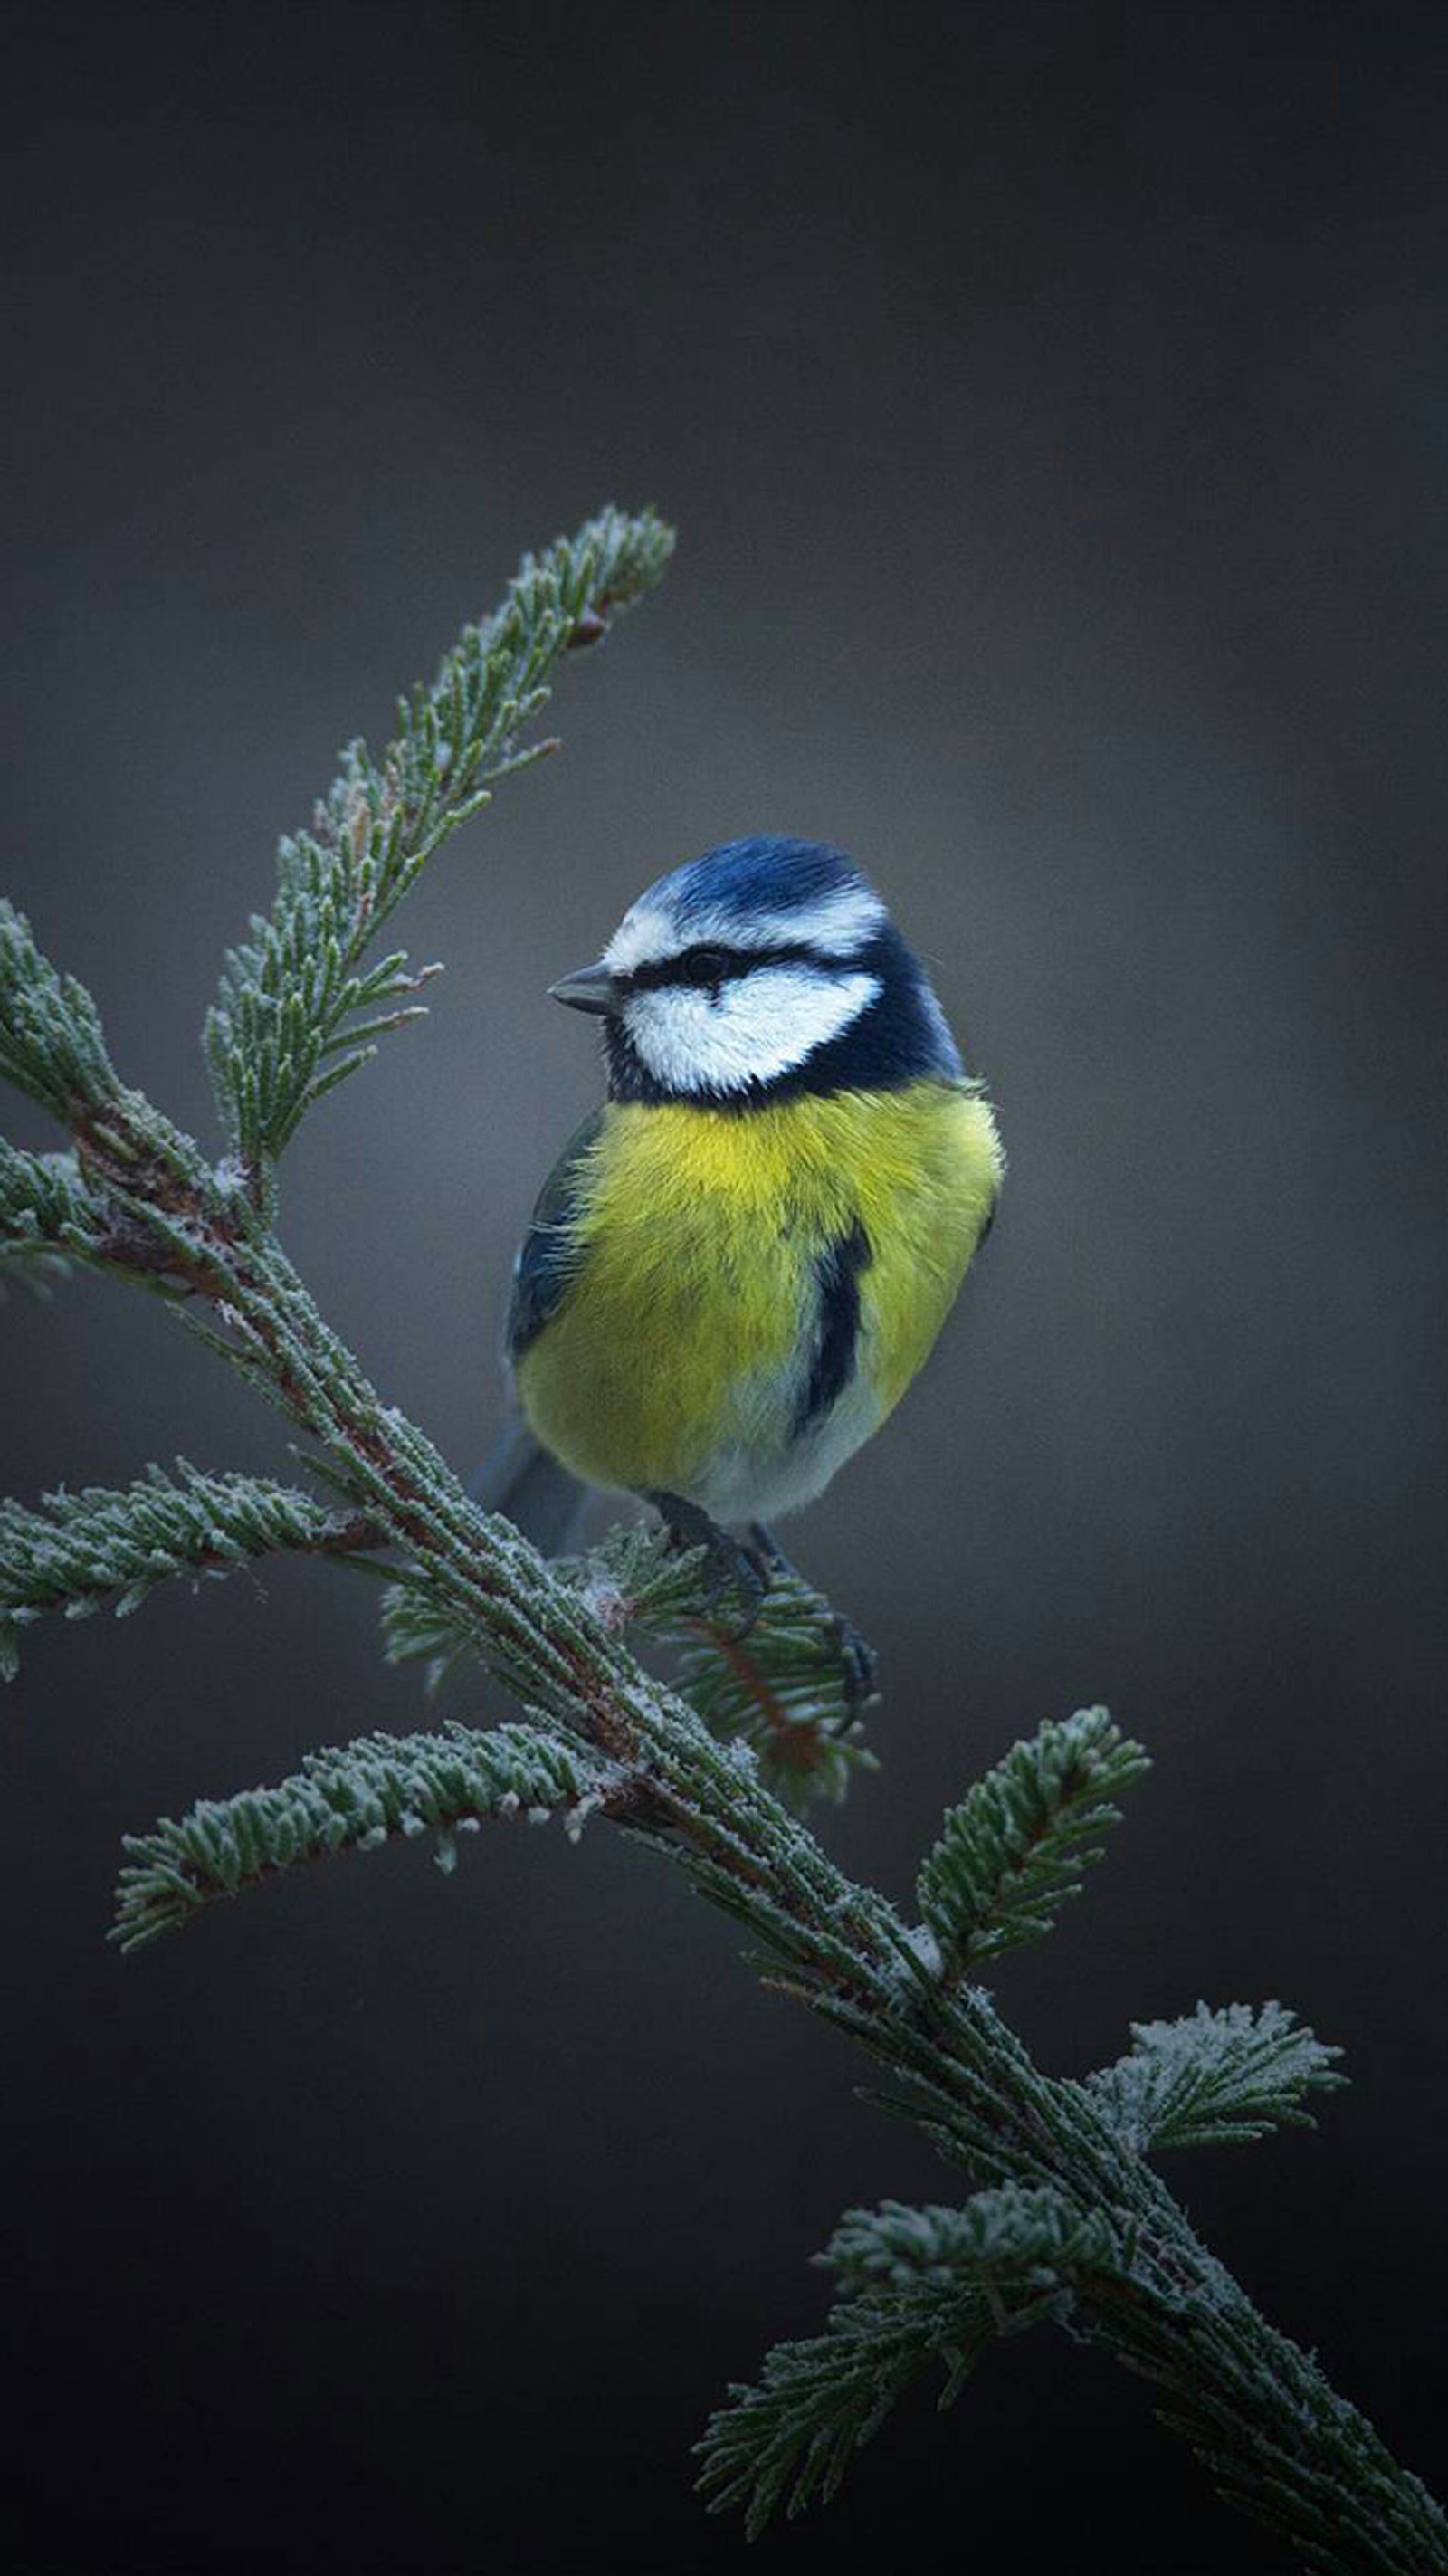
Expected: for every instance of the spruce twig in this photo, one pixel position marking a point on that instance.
(1215, 2078)
(352, 1797)
(299, 1008)
(79, 1553)
(1064, 2220)
(1015, 1847)
(931, 2285)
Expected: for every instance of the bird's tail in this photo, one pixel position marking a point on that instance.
(519, 1479)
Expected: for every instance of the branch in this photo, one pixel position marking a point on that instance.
(45, 1205)
(52, 1045)
(51, 1214)
(128, 1200)
(1252, 2405)
(930, 2285)
(1275, 2436)
(1015, 1848)
(783, 1689)
(79, 1552)
(816, 2403)
(350, 1798)
(285, 1028)
(1008, 2233)
(1214, 2078)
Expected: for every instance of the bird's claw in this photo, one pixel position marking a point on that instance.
(729, 1565)
(861, 1666)
(858, 1658)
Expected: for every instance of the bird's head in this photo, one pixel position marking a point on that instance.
(764, 968)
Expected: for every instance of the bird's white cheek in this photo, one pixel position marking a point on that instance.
(758, 1027)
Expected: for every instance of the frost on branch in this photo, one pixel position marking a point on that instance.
(1214, 2078)
(352, 1797)
(1015, 1848)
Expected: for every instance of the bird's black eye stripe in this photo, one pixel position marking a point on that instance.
(701, 966)
(707, 966)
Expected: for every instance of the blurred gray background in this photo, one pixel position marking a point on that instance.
(1044, 395)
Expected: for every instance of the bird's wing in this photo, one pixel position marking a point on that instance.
(548, 1255)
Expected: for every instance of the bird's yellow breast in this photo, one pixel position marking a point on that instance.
(696, 1236)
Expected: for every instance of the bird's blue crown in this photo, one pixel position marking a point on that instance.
(767, 967)
(765, 875)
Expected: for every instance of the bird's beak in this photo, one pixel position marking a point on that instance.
(593, 988)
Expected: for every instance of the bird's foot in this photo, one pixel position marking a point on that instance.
(861, 1663)
(858, 1657)
(729, 1566)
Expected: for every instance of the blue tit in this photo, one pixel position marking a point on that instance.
(745, 1254)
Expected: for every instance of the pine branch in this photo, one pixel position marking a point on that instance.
(31, 1267)
(352, 1797)
(126, 1201)
(82, 1552)
(1015, 1848)
(1274, 2435)
(52, 1045)
(1009, 2233)
(782, 1689)
(791, 2437)
(637, 1583)
(417, 1628)
(298, 1009)
(1214, 2078)
(45, 1205)
(931, 2284)
(41, 1196)
(631, 1582)
(52, 1214)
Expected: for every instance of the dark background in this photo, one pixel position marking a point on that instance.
(1044, 396)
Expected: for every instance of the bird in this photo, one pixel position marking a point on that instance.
(745, 1254)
